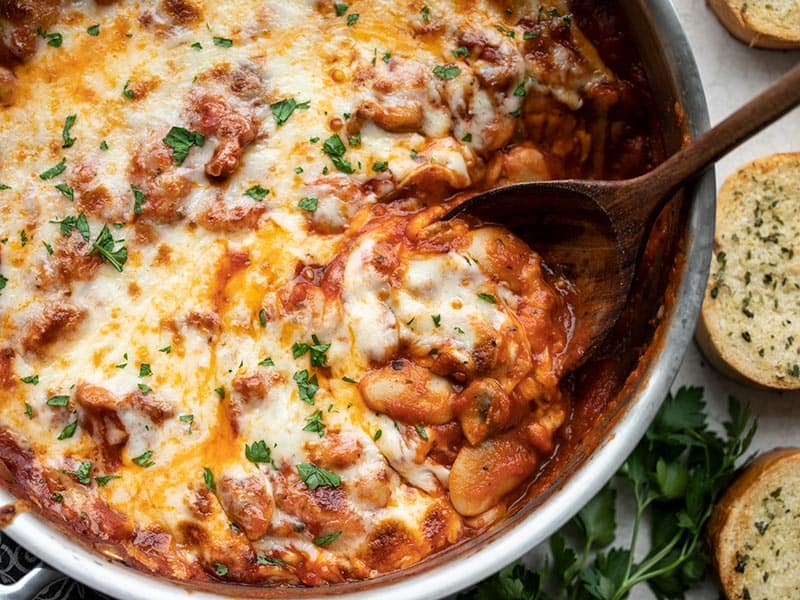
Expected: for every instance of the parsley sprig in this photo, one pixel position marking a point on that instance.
(675, 475)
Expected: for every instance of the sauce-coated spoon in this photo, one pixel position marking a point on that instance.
(594, 232)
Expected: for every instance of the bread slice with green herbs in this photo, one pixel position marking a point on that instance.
(761, 23)
(750, 320)
(754, 531)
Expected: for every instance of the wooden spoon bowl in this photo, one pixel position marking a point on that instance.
(594, 232)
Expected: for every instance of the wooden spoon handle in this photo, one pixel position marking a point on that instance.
(769, 105)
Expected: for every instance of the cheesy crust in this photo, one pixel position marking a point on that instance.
(236, 343)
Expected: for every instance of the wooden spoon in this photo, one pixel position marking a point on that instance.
(594, 232)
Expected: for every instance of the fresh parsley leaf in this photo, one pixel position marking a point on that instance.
(377, 435)
(31, 379)
(94, 30)
(335, 149)
(54, 171)
(28, 411)
(145, 370)
(221, 569)
(283, 109)
(222, 42)
(267, 362)
(487, 298)
(315, 424)
(380, 166)
(309, 204)
(340, 8)
(181, 140)
(144, 388)
(426, 14)
(437, 320)
(348, 379)
(257, 453)
(3, 281)
(106, 246)
(327, 540)
(82, 472)
(306, 386)
(352, 19)
(138, 199)
(127, 92)
(275, 562)
(66, 190)
(68, 431)
(220, 391)
(446, 72)
(461, 52)
(257, 193)
(65, 134)
(103, 480)
(58, 401)
(143, 460)
(262, 317)
(104, 146)
(421, 431)
(208, 478)
(79, 224)
(314, 476)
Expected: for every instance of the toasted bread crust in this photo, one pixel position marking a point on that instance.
(748, 327)
(736, 531)
(761, 33)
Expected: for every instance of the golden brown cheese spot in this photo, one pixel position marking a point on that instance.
(181, 12)
(192, 534)
(223, 218)
(71, 261)
(392, 545)
(248, 503)
(153, 171)
(56, 321)
(8, 379)
(100, 420)
(335, 451)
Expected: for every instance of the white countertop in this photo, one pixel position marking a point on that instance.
(732, 73)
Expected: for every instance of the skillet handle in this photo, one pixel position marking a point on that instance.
(31, 584)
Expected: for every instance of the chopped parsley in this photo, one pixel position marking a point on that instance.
(68, 431)
(58, 401)
(276, 562)
(348, 379)
(3, 281)
(31, 379)
(181, 140)
(461, 52)
(79, 223)
(306, 386)
(144, 388)
(257, 193)
(530, 35)
(487, 298)
(378, 434)
(437, 320)
(143, 460)
(505, 31)
(128, 93)
(138, 199)
(309, 204)
(283, 109)
(222, 42)
(257, 453)
(387, 56)
(352, 19)
(166, 349)
(421, 431)
(208, 478)
(315, 424)
(28, 411)
(380, 166)
(327, 540)
(426, 14)
(197, 46)
(65, 134)
(187, 419)
(107, 247)
(145, 370)
(220, 391)
(334, 147)
(3, 186)
(519, 91)
(103, 480)
(467, 138)
(340, 8)
(66, 190)
(314, 476)
(267, 362)
(446, 72)
(54, 39)
(94, 30)
(262, 317)
(103, 145)
(54, 171)
(47, 247)
(221, 569)
(82, 472)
